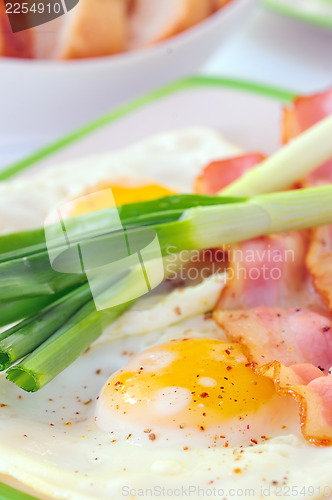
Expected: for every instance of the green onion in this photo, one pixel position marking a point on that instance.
(22, 244)
(298, 209)
(12, 241)
(71, 340)
(59, 351)
(21, 339)
(33, 276)
(198, 228)
(290, 164)
(27, 273)
(10, 312)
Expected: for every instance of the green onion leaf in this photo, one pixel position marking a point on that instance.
(293, 210)
(14, 246)
(62, 348)
(27, 272)
(199, 228)
(10, 312)
(21, 339)
(291, 163)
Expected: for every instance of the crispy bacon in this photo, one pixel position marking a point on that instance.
(219, 174)
(312, 390)
(305, 112)
(301, 341)
(291, 335)
(269, 271)
(319, 261)
(219, 4)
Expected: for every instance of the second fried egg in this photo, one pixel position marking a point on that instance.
(192, 390)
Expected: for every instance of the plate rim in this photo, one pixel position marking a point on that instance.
(294, 12)
(196, 81)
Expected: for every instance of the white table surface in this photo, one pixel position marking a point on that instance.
(269, 48)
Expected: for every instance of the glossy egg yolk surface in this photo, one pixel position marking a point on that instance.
(189, 386)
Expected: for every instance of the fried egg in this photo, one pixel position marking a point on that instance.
(171, 160)
(51, 442)
(200, 391)
(162, 405)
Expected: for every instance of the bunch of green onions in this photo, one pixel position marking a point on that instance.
(54, 315)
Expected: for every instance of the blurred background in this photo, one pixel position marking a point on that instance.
(42, 101)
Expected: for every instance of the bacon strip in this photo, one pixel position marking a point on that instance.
(312, 391)
(319, 262)
(219, 174)
(292, 335)
(305, 112)
(270, 271)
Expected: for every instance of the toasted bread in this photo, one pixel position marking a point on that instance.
(152, 21)
(46, 39)
(95, 28)
(219, 4)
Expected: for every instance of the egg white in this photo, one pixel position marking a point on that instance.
(49, 441)
(173, 159)
(78, 461)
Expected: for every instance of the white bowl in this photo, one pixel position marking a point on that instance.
(43, 99)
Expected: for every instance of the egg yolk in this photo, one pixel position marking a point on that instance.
(196, 384)
(122, 196)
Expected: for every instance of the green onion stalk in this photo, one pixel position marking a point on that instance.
(198, 228)
(290, 164)
(10, 312)
(167, 209)
(73, 338)
(26, 272)
(25, 336)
